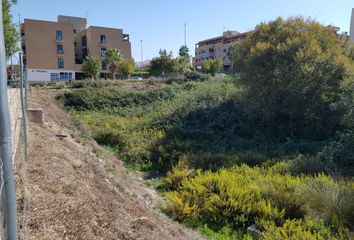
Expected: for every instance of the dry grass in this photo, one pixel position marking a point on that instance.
(74, 193)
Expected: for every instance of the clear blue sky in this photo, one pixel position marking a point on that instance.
(160, 23)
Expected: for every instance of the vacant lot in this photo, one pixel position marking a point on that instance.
(80, 191)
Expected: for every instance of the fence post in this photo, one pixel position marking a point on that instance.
(5, 145)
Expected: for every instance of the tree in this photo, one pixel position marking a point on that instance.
(184, 51)
(91, 67)
(113, 58)
(212, 66)
(164, 64)
(182, 65)
(126, 68)
(10, 32)
(292, 71)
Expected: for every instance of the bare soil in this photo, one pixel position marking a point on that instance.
(78, 190)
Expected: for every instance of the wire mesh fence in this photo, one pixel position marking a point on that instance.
(17, 103)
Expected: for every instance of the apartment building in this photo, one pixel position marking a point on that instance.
(55, 51)
(217, 48)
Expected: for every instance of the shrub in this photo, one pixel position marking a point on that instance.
(297, 229)
(332, 201)
(226, 198)
(112, 98)
(197, 76)
(310, 165)
(178, 174)
(296, 67)
(242, 196)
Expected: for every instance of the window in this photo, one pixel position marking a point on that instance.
(219, 49)
(59, 35)
(66, 76)
(60, 49)
(74, 30)
(103, 39)
(83, 41)
(84, 53)
(54, 77)
(104, 65)
(60, 62)
(103, 52)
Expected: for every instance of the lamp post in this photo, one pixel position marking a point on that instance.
(185, 34)
(141, 59)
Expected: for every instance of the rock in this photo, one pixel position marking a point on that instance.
(253, 231)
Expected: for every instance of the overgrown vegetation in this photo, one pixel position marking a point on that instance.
(283, 206)
(235, 154)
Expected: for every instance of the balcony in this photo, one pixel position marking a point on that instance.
(125, 37)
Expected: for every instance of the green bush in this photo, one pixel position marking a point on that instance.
(310, 165)
(297, 68)
(177, 175)
(282, 206)
(297, 229)
(332, 201)
(112, 98)
(189, 76)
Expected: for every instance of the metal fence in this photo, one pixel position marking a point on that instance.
(13, 141)
(17, 105)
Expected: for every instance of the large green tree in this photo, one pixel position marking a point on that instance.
(91, 67)
(292, 71)
(162, 65)
(10, 32)
(114, 58)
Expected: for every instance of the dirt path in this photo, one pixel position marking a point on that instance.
(80, 191)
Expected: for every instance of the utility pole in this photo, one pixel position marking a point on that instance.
(5, 146)
(141, 55)
(185, 34)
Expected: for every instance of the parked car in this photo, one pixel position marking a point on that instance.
(221, 75)
(137, 78)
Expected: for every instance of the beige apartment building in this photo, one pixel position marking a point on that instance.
(54, 51)
(217, 48)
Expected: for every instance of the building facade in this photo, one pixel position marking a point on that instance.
(54, 51)
(217, 48)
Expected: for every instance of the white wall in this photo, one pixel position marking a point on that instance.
(44, 75)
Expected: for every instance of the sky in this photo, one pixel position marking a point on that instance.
(160, 23)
